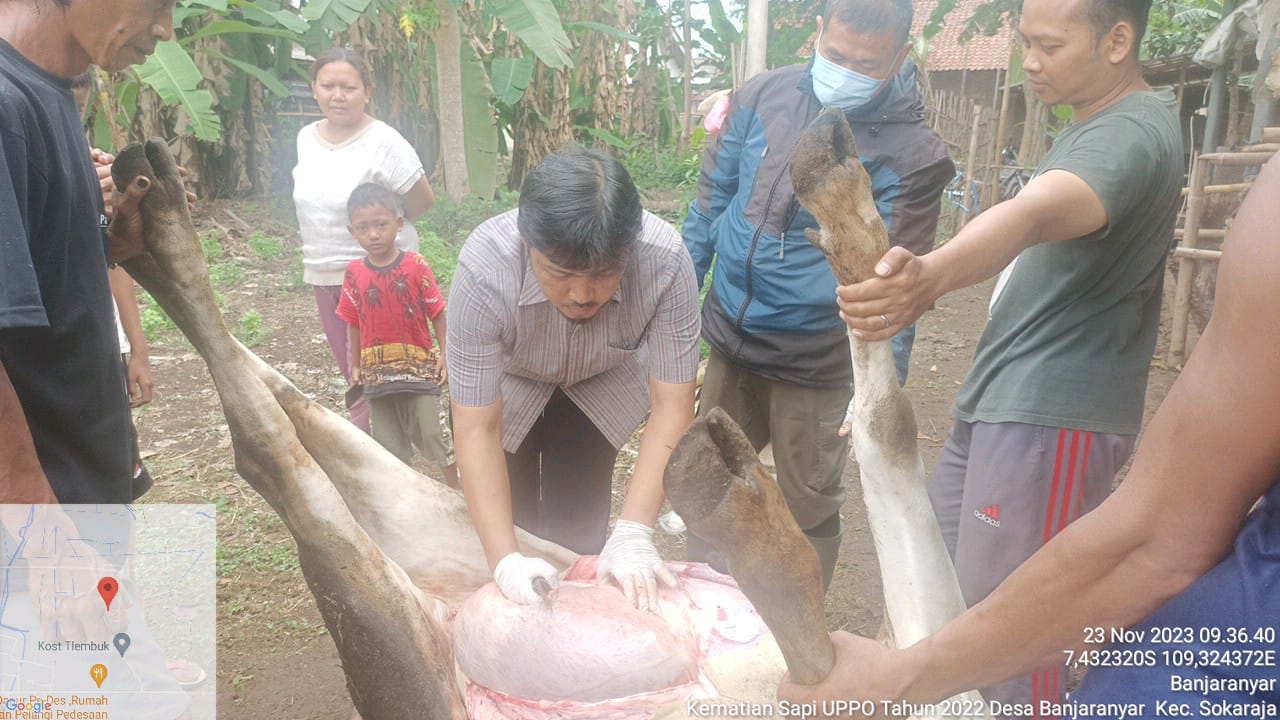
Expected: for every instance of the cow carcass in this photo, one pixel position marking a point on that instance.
(389, 553)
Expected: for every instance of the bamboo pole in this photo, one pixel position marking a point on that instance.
(1203, 234)
(1222, 189)
(1240, 159)
(1003, 123)
(971, 166)
(1182, 86)
(1186, 265)
(1197, 254)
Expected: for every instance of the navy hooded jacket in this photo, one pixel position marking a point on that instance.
(772, 303)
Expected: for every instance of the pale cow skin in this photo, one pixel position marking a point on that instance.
(589, 654)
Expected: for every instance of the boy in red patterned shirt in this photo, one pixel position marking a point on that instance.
(388, 299)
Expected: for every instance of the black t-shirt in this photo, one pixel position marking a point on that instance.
(57, 330)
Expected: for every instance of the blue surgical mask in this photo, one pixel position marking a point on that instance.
(838, 86)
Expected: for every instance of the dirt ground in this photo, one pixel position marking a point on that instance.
(275, 659)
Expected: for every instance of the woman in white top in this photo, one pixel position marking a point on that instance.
(345, 149)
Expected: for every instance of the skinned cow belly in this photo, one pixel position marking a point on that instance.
(591, 655)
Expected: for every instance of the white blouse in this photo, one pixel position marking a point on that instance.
(323, 180)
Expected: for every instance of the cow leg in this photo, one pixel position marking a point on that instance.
(920, 587)
(389, 635)
(715, 481)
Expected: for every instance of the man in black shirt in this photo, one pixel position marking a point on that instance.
(58, 347)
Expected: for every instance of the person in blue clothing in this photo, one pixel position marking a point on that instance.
(779, 362)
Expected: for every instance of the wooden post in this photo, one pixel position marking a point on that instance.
(1182, 86)
(1186, 265)
(757, 38)
(971, 166)
(1001, 126)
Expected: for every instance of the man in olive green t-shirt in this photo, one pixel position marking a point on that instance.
(1052, 405)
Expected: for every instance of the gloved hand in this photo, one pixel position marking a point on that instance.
(631, 559)
(514, 574)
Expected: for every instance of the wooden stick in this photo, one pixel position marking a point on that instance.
(1196, 254)
(1222, 189)
(1187, 266)
(1204, 234)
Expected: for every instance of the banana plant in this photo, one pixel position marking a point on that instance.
(249, 38)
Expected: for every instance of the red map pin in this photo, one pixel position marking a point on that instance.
(107, 588)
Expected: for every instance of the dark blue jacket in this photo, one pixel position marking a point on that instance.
(772, 303)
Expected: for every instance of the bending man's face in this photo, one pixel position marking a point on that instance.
(577, 294)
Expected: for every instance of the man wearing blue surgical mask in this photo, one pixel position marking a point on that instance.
(779, 360)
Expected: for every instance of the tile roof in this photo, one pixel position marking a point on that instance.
(945, 49)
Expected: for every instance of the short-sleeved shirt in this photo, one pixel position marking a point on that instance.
(57, 332)
(393, 307)
(508, 342)
(1071, 332)
(322, 183)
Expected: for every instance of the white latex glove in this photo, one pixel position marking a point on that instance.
(631, 559)
(515, 573)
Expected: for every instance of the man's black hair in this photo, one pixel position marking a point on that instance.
(872, 17)
(580, 209)
(1104, 14)
(370, 194)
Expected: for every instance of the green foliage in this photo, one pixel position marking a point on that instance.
(251, 331)
(441, 256)
(986, 19)
(537, 24)
(126, 93)
(480, 126)
(296, 276)
(582, 25)
(715, 40)
(510, 78)
(665, 168)
(452, 221)
(266, 247)
(791, 25)
(211, 246)
(256, 37)
(1177, 27)
(172, 73)
(1174, 27)
(226, 273)
(334, 15)
(154, 320)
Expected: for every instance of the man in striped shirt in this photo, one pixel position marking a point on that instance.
(571, 315)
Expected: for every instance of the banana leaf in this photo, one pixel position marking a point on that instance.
(481, 129)
(172, 73)
(538, 25)
(510, 77)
